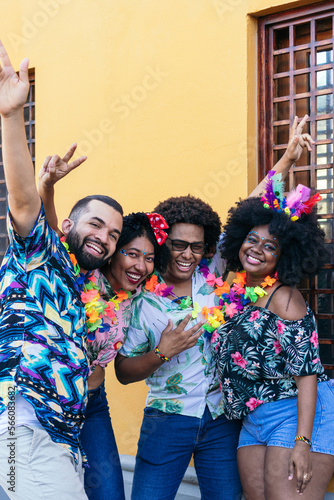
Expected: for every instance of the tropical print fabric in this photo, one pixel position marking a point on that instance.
(258, 354)
(42, 332)
(108, 338)
(189, 382)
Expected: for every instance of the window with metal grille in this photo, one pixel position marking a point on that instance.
(29, 120)
(296, 77)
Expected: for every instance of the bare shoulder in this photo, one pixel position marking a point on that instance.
(288, 303)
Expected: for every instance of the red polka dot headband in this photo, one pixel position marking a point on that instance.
(158, 225)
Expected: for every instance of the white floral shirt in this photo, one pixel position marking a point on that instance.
(189, 382)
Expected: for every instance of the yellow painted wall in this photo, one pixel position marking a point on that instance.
(161, 95)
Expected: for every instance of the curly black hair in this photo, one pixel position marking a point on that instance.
(191, 210)
(136, 225)
(301, 242)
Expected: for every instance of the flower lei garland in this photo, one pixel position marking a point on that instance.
(96, 308)
(72, 257)
(232, 299)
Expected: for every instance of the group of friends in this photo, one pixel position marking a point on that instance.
(233, 369)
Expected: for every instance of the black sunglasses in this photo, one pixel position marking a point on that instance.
(180, 246)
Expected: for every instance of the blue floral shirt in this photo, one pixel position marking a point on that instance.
(258, 354)
(43, 333)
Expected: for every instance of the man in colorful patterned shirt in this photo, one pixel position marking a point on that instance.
(43, 365)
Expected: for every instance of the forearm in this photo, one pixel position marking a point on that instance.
(23, 200)
(281, 167)
(47, 194)
(136, 368)
(96, 378)
(306, 404)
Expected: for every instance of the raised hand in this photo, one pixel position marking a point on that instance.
(174, 341)
(298, 140)
(13, 88)
(55, 168)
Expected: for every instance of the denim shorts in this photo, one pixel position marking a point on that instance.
(275, 424)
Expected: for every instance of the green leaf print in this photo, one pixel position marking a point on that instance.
(152, 303)
(136, 313)
(172, 384)
(166, 405)
(205, 289)
(126, 314)
(150, 337)
(139, 349)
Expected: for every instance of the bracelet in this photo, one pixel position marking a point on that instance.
(161, 356)
(303, 438)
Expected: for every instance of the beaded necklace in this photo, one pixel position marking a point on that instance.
(232, 299)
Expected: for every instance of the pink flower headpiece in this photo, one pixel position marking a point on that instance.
(158, 225)
(298, 201)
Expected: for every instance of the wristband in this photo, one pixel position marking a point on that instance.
(303, 438)
(161, 356)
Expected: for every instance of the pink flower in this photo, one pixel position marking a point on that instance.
(280, 327)
(219, 281)
(238, 289)
(253, 403)
(231, 309)
(109, 310)
(90, 296)
(278, 347)
(214, 337)
(239, 360)
(314, 338)
(160, 289)
(211, 279)
(254, 315)
(314, 361)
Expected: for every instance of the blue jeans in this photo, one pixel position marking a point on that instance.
(103, 479)
(166, 445)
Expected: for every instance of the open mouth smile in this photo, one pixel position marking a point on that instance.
(253, 260)
(184, 266)
(133, 277)
(94, 248)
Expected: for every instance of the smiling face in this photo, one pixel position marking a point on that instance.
(131, 264)
(94, 236)
(183, 263)
(260, 252)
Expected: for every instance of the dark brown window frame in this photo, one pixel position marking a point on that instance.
(266, 118)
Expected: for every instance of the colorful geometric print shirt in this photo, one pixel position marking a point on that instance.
(42, 333)
(189, 382)
(258, 354)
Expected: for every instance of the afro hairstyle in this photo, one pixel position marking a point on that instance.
(191, 210)
(301, 242)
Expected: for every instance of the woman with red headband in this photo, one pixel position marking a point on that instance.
(107, 296)
(139, 250)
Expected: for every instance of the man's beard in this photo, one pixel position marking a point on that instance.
(85, 260)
